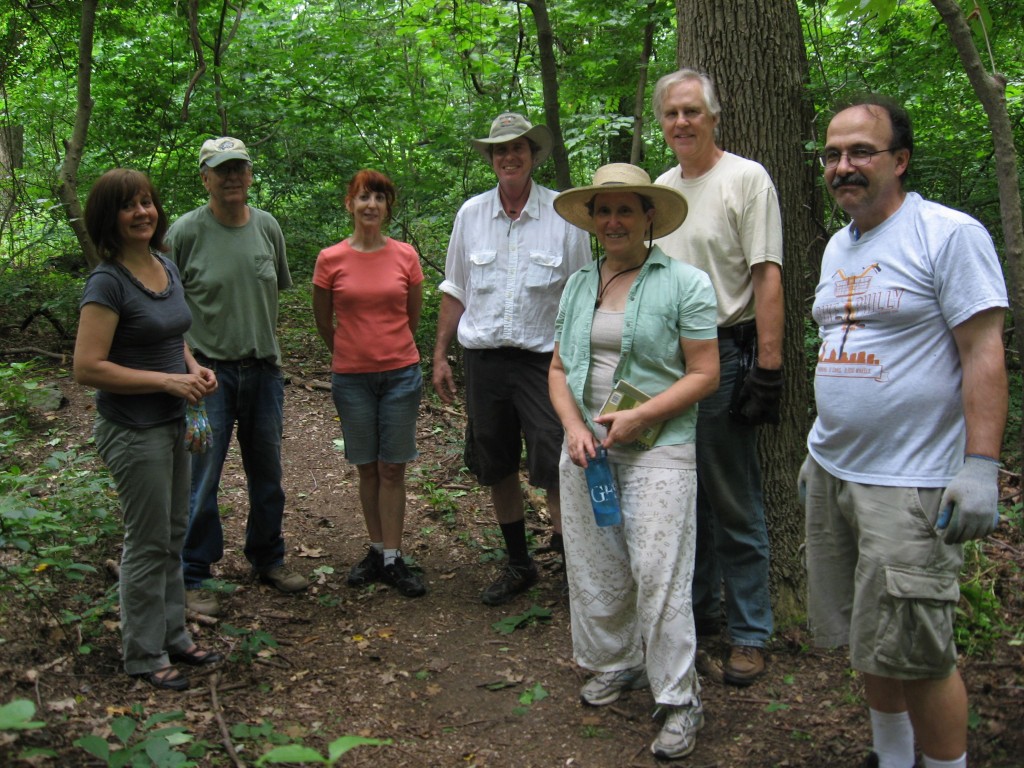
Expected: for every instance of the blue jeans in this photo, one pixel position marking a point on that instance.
(250, 394)
(732, 539)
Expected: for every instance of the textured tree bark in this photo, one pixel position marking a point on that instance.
(754, 51)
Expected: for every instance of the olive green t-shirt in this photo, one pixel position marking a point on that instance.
(232, 277)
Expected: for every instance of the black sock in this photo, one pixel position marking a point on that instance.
(556, 544)
(515, 542)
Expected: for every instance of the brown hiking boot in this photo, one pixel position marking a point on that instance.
(745, 665)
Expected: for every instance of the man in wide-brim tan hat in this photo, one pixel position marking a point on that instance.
(635, 321)
(508, 259)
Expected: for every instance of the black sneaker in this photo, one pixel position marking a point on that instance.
(401, 578)
(368, 570)
(516, 578)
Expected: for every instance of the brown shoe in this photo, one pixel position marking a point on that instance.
(285, 580)
(745, 665)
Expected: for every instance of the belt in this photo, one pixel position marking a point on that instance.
(738, 331)
(245, 362)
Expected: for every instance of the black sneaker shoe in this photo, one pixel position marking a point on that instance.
(368, 570)
(516, 578)
(401, 578)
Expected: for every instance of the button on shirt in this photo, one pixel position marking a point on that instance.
(509, 275)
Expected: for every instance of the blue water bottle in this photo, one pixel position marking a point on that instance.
(603, 496)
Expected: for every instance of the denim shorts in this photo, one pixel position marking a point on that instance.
(378, 414)
(880, 577)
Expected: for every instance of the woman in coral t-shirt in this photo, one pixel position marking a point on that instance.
(367, 296)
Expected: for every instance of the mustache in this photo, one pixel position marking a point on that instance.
(854, 178)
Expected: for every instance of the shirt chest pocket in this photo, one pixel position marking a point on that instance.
(483, 276)
(544, 270)
(265, 267)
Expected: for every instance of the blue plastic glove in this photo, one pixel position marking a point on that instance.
(970, 504)
(198, 434)
(801, 480)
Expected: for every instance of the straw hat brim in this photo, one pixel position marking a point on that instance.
(670, 206)
(538, 134)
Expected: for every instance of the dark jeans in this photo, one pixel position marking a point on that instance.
(250, 394)
(732, 539)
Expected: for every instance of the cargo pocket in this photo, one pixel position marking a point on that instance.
(915, 630)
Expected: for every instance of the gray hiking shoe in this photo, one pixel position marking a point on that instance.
(678, 736)
(202, 601)
(608, 686)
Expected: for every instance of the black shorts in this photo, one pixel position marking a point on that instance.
(507, 402)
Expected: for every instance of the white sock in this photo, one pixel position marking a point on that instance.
(377, 546)
(960, 762)
(390, 555)
(893, 738)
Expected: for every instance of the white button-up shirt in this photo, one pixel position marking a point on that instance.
(509, 275)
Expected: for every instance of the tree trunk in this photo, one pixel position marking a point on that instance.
(991, 92)
(549, 84)
(67, 191)
(637, 149)
(753, 49)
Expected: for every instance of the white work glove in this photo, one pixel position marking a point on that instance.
(970, 504)
(801, 480)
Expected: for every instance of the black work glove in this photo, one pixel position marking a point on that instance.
(758, 400)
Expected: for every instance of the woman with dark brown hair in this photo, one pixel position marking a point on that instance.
(131, 348)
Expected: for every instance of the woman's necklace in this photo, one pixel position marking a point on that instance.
(602, 286)
(513, 207)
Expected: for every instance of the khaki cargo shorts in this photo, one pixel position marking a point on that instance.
(880, 578)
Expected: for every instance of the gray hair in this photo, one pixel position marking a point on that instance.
(680, 76)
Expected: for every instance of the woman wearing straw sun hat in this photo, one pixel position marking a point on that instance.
(634, 316)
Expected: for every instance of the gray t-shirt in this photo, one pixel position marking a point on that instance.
(888, 380)
(232, 276)
(149, 337)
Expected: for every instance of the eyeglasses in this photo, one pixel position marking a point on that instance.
(858, 157)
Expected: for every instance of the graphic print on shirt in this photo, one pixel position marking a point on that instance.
(854, 303)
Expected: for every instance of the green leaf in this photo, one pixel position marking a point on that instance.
(339, 747)
(95, 746)
(292, 753)
(123, 728)
(17, 716)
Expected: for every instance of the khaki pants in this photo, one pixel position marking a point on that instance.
(151, 470)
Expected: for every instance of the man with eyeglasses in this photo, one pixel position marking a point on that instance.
(734, 233)
(233, 265)
(903, 461)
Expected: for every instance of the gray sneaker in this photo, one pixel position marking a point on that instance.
(608, 686)
(202, 601)
(678, 736)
